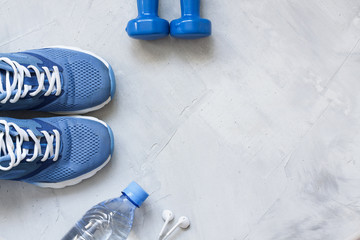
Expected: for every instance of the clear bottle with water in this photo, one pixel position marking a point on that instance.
(111, 219)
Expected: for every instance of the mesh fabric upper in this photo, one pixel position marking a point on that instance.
(82, 143)
(84, 79)
(56, 53)
(85, 143)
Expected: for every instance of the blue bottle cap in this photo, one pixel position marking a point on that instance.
(135, 194)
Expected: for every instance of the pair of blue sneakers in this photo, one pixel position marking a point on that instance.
(59, 151)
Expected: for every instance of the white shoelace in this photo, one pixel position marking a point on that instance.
(17, 153)
(19, 72)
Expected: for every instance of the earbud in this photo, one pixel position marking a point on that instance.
(183, 222)
(168, 216)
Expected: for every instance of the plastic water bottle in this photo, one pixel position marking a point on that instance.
(111, 219)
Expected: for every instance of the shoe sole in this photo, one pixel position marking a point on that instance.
(112, 79)
(79, 179)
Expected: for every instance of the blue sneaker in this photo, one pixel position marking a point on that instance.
(53, 152)
(58, 79)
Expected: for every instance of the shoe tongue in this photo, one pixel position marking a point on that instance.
(13, 134)
(3, 77)
(26, 145)
(31, 81)
(12, 131)
(5, 67)
(5, 160)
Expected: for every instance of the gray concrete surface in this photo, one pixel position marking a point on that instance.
(253, 133)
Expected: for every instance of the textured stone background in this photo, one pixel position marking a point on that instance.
(253, 133)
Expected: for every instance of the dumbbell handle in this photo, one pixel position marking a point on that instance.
(190, 7)
(148, 7)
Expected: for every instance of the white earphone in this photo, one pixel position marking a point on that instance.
(183, 222)
(167, 216)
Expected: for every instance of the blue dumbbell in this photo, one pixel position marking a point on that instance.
(190, 25)
(148, 25)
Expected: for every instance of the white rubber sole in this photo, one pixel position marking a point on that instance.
(83, 111)
(84, 51)
(87, 110)
(79, 179)
(93, 119)
(74, 181)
